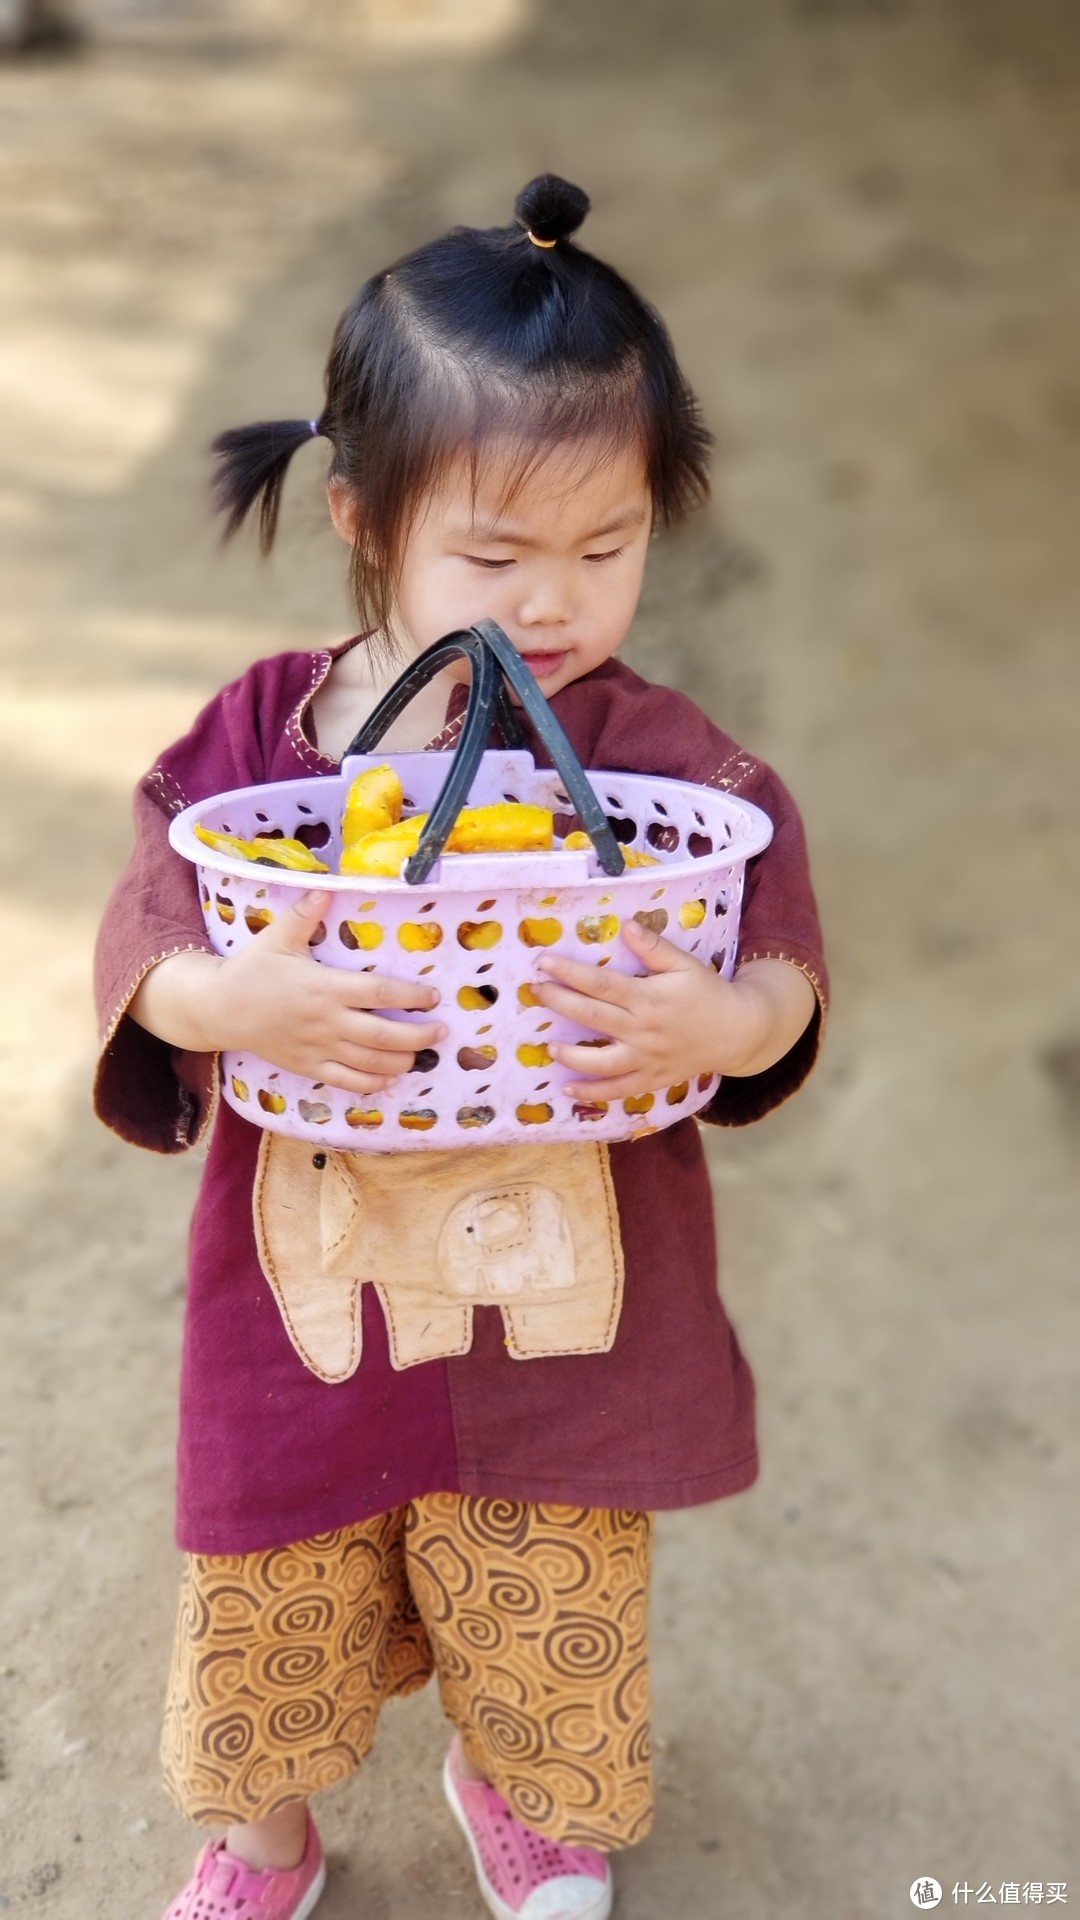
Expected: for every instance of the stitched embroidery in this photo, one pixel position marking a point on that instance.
(187, 946)
(174, 801)
(321, 664)
(539, 1239)
(743, 766)
(777, 953)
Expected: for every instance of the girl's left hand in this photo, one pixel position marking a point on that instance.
(679, 1020)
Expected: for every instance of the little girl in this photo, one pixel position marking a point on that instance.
(508, 426)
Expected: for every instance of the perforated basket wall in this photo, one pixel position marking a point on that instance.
(476, 928)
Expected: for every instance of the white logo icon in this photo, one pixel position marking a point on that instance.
(925, 1892)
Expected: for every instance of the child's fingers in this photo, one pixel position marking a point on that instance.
(605, 984)
(629, 1086)
(659, 955)
(390, 1038)
(337, 1073)
(599, 1064)
(291, 931)
(368, 992)
(601, 1016)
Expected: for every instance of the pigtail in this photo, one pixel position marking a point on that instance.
(251, 467)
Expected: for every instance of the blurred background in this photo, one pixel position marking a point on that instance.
(859, 218)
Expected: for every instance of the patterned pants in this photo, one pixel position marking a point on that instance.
(533, 1617)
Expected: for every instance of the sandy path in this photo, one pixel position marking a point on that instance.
(860, 221)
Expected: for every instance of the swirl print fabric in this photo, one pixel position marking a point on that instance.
(533, 1616)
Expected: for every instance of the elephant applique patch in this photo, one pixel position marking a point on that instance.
(533, 1231)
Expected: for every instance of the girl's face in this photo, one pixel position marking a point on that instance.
(556, 559)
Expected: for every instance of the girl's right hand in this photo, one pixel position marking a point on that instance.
(273, 998)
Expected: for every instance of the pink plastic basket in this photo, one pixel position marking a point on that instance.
(476, 926)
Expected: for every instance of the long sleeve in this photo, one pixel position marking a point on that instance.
(779, 922)
(151, 1094)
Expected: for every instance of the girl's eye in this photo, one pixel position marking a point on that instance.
(613, 554)
(476, 560)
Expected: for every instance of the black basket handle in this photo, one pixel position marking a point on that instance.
(495, 661)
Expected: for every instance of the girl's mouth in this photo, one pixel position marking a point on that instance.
(542, 664)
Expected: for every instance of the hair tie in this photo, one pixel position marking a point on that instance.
(316, 430)
(536, 240)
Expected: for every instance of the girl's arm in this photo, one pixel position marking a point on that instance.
(785, 1003)
(273, 998)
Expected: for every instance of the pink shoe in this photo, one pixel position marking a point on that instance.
(225, 1888)
(521, 1875)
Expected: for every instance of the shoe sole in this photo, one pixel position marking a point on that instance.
(313, 1895)
(601, 1911)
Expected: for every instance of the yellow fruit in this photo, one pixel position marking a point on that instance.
(534, 1113)
(476, 934)
(361, 935)
(527, 996)
(265, 850)
(577, 841)
(477, 999)
(505, 827)
(363, 1117)
(534, 1055)
(691, 913)
(595, 928)
(239, 1087)
(420, 936)
(271, 1102)
(540, 933)
(383, 850)
(374, 800)
(639, 1103)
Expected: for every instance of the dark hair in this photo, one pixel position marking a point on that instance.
(509, 330)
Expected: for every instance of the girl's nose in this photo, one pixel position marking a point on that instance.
(544, 603)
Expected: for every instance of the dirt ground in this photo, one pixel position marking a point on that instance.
(859, 217)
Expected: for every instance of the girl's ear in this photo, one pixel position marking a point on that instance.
(344, 509)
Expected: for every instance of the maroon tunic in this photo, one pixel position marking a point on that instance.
(268, 1452)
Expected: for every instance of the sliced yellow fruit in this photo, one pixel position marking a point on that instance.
(264, 849)
(365, 934)
(691, 913)
(596, 928)
(507, 826)
(477, 934)
(383, 850)
(534, 1055)
(374, 800)
(420, 936)
(540, 933)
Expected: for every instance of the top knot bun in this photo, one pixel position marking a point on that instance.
(551, 208)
